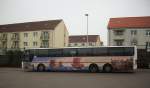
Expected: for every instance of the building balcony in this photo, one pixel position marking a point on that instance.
(118, 42)
(15, 47)
(119, 37)
(15, 44)
(3, 38)
(44, 45)
(44, 37)
(15, 38)
(4, 46)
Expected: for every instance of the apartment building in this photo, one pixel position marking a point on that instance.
(129, 31)
(40, 34)
(132, 31)
(81, 40)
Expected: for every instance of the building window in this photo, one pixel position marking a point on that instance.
(134, 42)
(35, 34)
(45, 44)
(119, 42)
(133, 32)
(34, 43)
(90, 44)
(4, 35)
(25, 34)
(45, 33)
(75, 44)
(94, 44)
(25, 43)
(14, 35)
(69, 45)
(148, 44)
(83, 44)
(4, 44)
(118, 32)
(147, 32)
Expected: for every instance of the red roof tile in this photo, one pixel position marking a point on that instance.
(129, 22)
(30, 26)
(83, 38)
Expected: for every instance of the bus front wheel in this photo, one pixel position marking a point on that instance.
(41, 68)
(93, 68)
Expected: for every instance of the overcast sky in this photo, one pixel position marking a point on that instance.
(72, 12)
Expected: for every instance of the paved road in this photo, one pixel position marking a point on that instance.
(15, 78)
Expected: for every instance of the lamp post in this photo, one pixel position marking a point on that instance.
(87, 40)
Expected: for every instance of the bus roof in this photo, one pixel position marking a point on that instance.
(79, 47)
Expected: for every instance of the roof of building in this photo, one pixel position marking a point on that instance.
(129, 22)
(30, 26)
(83, 38)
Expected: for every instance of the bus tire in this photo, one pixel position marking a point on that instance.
(93, 68)
(41, 67)
(107, 68)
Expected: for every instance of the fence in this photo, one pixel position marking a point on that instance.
(143, 58)
(11, 58)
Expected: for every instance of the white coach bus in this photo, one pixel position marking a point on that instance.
(92, 59)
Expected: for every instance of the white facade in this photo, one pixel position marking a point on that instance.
(129, 37)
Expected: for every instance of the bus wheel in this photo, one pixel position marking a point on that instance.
(107, 68)
(93, 68)
(41, 68)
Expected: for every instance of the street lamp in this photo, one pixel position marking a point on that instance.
(87, 40)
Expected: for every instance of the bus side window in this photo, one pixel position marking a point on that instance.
(84, 52)
(102, 51)
(116, 51)
(55, 53)
(129, 51)
(69, 52)
(42, 53)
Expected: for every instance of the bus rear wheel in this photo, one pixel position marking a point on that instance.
(107, 68)
(41, 68)
(93, 68)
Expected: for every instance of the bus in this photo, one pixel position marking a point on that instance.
(92, 59)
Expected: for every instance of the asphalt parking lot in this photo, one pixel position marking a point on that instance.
(16, 78)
